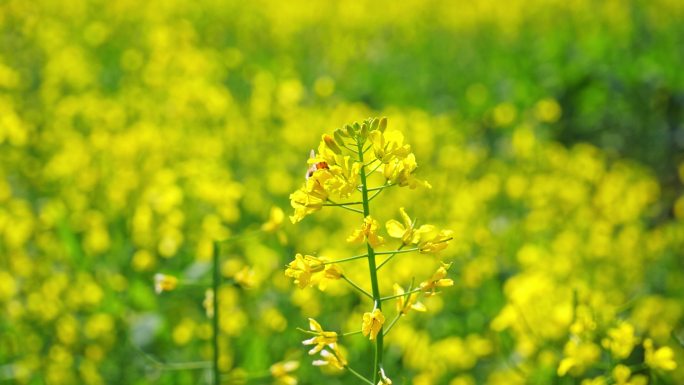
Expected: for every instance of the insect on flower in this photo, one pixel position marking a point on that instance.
(315, 166)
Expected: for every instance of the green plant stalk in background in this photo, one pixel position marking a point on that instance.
(215, 320)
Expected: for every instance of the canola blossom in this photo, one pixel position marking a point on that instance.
(347, 177)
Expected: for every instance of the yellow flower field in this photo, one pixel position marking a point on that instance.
(185, 197)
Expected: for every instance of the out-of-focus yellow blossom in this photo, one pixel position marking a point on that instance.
(621, 340)
(275, 220)
(405, 304)
(600, 380)
(400, 172)
(372, 323)
(321, 338)
(164, 282)
(245, 277)
(368, 233)
(208, 303)
(308, 270)
(578, 356)
(388, 145)
(435, 243)
(437, 280)
(280, 371)
(384, 380)
(332, 356)
(623, 376)
(661, 358)
(405, 231)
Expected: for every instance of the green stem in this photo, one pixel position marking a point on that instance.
(346, 208)
(341, 204)
(372, 269)
(350, 333)
(390, 257)
(346, 259)
(400, 295)
(394, 321)
(357, 287)
(397, 251)
(215, 320)
(357, 374)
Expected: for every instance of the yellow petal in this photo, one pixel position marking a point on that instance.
(395, 229)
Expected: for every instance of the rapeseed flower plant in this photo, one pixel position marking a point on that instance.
(341, 169)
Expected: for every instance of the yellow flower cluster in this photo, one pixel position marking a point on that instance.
(332, 173)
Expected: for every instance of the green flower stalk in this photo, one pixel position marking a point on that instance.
(340, 169)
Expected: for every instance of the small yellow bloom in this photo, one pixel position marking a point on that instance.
(388, 145)
(621, 340)
(321, 339)
(332, 357)
(368, 232)
(372, 323)
(405, 304)
(302, 269)
(662, 358)
(164, 282)
(405, 231)
(438, 279)
(275, 220)
(281, 372)
(400, 171)
(436, 243)
(310, 197)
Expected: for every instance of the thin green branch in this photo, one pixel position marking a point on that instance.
(357, 287)
(397, 251)
(384, 186)
(374, 195)
(350, 333)
(399, 295)
(346, 259)
(376, 168)
(341, 204)
(357, 374)
(391, 325)
(390, 257)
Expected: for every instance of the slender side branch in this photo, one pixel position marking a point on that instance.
(357, 374)
(390, 257)
(346, 259)
(394, 321)
(400, 295)
(397, 251)
(357, 287)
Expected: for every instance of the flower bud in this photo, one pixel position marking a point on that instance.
(383, 124)
(364, 130)
(374, 124)
(350, 130)
(330, 143)
(338, 137)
